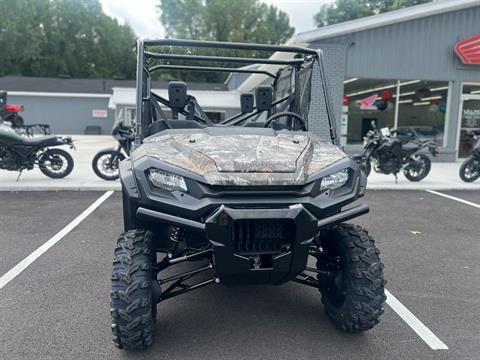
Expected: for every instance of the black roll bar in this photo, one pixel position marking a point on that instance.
(209, 68)
(143, 94)
(139, 126)
(151, 55)
(230, 45)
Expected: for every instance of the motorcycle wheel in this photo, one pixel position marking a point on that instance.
(56, 163)
(470, 170)
(417, 170)
(105, 164)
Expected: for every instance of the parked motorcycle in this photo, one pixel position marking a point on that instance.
(105, 162)
(470, 168)
(18, 154)
(390, 155)
(10, 113)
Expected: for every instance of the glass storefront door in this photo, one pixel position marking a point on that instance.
(470, 115)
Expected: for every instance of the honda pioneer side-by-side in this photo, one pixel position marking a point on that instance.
(252, 200)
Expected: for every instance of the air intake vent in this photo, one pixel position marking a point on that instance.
(262, 236)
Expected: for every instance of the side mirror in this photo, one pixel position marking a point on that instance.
(246, 103)
(177, 94)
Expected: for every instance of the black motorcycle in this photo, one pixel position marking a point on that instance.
(390, 155)
(18, 153)
(105, 162)
(470, 169)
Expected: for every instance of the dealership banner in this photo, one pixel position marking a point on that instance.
(468, 50)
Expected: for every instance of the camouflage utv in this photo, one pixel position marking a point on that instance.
(253, 200)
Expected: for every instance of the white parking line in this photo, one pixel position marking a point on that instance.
(454, 198)
(22, 265)
(425, 333)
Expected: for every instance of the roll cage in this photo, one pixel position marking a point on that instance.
(299, 68)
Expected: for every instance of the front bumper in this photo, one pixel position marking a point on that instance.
(245, 250)
(223, 216)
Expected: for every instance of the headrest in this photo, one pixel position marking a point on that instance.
(246, 103)
(177, 94)
(263, 97)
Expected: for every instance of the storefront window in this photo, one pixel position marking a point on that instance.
(420, 110)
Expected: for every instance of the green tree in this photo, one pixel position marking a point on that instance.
(63, 37)
(222, 20)
(345, 10)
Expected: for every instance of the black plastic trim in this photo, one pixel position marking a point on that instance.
(344, 216)
(148, 214)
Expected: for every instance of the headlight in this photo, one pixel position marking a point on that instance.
(335, 180)
(166, 180)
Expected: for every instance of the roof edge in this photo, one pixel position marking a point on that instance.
(59, 94)
(388, 18)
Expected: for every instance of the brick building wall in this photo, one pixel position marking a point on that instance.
(335, 64)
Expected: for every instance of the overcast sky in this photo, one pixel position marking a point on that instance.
(143, 18)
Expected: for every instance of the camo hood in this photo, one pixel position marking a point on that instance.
(226, 156)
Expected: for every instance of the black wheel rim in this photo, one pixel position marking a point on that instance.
(417, 170)
(472, 170)
(336, 289)
(56, 164)
(107, 165)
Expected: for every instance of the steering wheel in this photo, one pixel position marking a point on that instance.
(303, 124)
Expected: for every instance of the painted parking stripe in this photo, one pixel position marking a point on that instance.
(424, 332)
(454, 198)
(22, 265)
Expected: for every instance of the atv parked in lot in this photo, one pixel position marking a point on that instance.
(250, 200)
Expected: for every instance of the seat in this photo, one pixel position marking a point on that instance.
(42, 140)
(410, 146)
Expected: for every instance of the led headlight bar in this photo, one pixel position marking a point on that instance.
(166, 181)
(335, 180)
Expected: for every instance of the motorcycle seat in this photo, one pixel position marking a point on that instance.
(410, 146)
(41, 140)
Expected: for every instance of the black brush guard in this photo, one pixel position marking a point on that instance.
(260, 246)
(256, 246)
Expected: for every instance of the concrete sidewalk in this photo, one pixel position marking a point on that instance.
(443, 176)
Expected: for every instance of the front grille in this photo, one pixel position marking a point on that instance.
(262, 236)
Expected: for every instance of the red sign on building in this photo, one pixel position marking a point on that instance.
(468, 50)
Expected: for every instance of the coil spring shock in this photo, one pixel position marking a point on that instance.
(176, 235)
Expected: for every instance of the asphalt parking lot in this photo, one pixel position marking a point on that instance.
(58, 307)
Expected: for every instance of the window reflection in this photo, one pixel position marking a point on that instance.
(412, 106)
